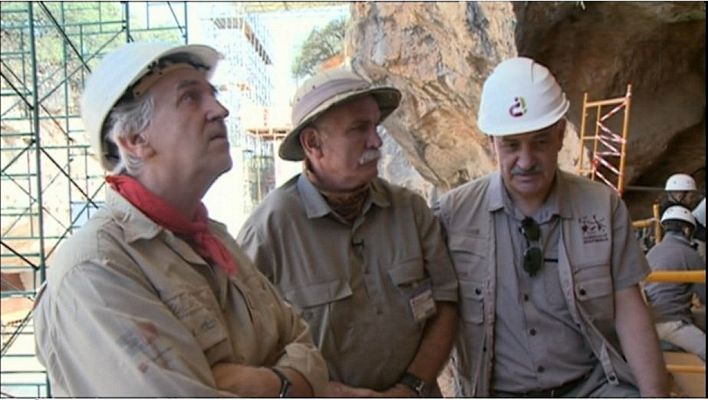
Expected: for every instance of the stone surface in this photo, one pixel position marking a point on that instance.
(440, 53)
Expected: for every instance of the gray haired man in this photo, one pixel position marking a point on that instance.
(151, 298)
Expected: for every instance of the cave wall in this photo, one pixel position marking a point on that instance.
(439, 54)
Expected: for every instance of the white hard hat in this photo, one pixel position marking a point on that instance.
(700, 212)
(520, 96)
(117, 72)
(680, 213)
(680, 182)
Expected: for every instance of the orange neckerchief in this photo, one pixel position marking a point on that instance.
(196, 232)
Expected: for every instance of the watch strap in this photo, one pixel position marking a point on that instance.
(416, 384)
(284, 382)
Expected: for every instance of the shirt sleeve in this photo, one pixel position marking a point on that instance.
(629, 266)
(435, 254)
(113, 337)
(299, 351)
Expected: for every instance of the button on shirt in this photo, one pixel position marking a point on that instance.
(537, 344)
(353, 282)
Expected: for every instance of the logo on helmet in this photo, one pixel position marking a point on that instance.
(518, 108)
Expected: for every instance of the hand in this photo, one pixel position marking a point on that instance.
(246, 381)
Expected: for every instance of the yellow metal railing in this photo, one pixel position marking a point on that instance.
(653, 222)
(677, 276)
(674, 277)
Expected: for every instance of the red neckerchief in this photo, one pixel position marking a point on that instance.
(196, 232)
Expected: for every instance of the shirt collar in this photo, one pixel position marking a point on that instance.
(134, 223)
(316, 206)
(555, 204)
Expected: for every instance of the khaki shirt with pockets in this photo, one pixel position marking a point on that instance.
(131, 310)
(353, 283)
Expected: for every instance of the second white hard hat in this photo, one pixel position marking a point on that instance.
(520, 96)
(680, 213)
(680, 182)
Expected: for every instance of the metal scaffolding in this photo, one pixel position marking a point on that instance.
(247, 73)
(50, 183)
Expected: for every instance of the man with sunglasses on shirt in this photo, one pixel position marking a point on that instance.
(548, 266)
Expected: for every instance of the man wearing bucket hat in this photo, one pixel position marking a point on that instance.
(150, 298)
(363, 260)
(547, 264)
(671, 302)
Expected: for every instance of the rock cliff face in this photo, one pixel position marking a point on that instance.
(440, 53)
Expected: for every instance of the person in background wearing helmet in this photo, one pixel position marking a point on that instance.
(547, 263)
(671, 302)
(680, 189)
(363, 260)
(150, 298)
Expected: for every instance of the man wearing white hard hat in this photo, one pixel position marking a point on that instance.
(151, 298)
(547, 263)
(671, 302)
(680, 189)
(364, 260)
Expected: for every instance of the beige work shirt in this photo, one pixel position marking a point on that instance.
(130, 310)
(353, 283)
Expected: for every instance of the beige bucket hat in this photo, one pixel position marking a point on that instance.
(324, 91)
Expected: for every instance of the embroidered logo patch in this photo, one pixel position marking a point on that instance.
(594, 229)
(518, 108)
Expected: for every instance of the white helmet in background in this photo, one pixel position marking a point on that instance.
(679, 213)
(520, 96)
(680, 182)
(700, 212)
(118, 71)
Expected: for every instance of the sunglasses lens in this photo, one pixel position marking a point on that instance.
(531, 229)
(533, 260)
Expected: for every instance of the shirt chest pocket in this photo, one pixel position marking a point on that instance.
(595, 292)
(408, 273)
(468, 255)
(472, 304)
(313, 301)
(200, 314)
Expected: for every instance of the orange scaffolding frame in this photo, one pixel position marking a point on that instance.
(607, 160)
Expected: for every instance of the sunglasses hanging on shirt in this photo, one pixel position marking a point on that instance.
(533, 255)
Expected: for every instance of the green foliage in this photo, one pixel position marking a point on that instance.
(319, 46)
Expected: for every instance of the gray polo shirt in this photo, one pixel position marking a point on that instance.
(353, 283)
(672, 301)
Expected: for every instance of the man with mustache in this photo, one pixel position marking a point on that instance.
(150, 298)
(548, 266)
(364, 260)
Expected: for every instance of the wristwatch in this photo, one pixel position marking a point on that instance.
(416, 384)
(284, 382)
